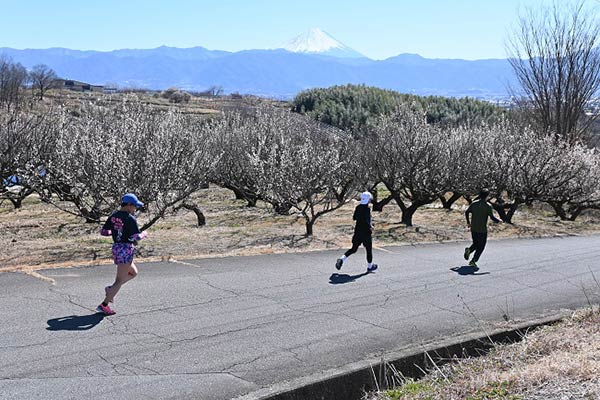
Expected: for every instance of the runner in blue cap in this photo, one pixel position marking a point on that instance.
(123, 228)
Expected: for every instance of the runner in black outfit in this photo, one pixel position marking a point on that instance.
(480, 210)
(362, 233)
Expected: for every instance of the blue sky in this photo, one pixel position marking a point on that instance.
(469, 29)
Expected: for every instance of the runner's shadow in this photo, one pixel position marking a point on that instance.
(336, 279)
(468, 270)
(75, 322)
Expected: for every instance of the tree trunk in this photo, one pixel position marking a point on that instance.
(238, 193)
(575, 212)
(408, 212)
(447, 204)
(511, 212)
(558, 207)
(243, 195)
(197, 211)
(251, 201)
(373, 191)
(282, 208)
(501, 208)
(310, 222)
(378, 205)
(92, 216)
(16, 202)
(17, 199)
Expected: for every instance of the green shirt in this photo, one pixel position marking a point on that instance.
(480, 211)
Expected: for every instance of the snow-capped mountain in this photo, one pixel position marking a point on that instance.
(316, 41)
(314, 59)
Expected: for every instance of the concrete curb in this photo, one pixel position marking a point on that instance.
(352, 381)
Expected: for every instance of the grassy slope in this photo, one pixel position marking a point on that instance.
(555, 362)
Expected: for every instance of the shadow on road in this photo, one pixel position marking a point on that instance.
(468, 270)
(75, 322)
(336, 279)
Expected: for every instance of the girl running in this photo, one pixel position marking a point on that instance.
(362, 233)
(123, 228)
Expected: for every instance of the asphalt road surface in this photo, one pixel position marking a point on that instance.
(226, 327)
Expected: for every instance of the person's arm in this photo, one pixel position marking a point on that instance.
(467, 216)
(136, 234)
(106, 228)
(139, 236)
(493, 217)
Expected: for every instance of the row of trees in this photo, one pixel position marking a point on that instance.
(14, 78)
(420, 163)
(91, 158)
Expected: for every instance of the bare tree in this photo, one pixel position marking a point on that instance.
(466, 149)
(235, 136)
(554, 54)
(582, 190)
(42, 78)
(13, 77)
(303, 164)
(410, 159)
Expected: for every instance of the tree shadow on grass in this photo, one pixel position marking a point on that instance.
(75, 322)
(337, 279)
(468, 270)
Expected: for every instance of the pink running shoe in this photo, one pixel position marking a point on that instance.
(105, 310)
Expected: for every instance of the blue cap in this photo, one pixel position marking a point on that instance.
(131, 198)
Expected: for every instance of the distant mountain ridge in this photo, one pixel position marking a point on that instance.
(316, 61)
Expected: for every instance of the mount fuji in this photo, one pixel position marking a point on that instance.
(316, 41)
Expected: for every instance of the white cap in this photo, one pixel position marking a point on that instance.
(365, 197)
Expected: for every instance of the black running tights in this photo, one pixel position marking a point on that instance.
(356, 242)
(479, 240)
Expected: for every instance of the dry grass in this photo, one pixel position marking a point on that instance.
(39, 235)
(555, 362)
(196, 105)
(74, 100)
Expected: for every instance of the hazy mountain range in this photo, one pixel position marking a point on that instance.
(313, 59)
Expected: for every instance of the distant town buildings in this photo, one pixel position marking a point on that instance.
(78, 86)
(592, 107)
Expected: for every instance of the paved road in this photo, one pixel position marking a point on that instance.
(221, 328)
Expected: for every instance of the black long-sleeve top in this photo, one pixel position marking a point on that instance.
(362, 216)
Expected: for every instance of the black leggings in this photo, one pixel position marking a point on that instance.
(365, 241)
(479, 240)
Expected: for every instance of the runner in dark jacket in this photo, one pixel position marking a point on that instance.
(480, 210)
(362, 233)
(123, 228)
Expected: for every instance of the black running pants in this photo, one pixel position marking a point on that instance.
(479, 241)
(366, 241)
